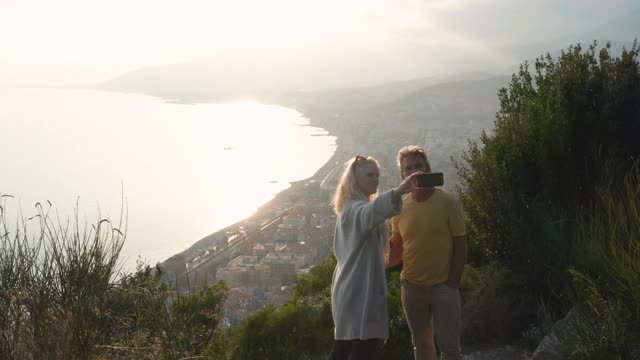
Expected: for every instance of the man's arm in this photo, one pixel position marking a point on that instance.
(458, 259)
(395, 251)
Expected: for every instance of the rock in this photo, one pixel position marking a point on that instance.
(564, 334)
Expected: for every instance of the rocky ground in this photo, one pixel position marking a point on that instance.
(501, 353)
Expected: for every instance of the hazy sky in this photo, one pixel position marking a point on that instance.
(93, 40)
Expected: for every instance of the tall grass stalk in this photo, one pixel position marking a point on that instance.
(607, 278)
(63, 295)
(53, 279)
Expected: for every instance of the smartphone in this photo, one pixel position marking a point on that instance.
(430, 180)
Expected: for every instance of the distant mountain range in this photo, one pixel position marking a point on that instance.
(354, 100)
(253, 76)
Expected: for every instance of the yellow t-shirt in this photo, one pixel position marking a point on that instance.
(427, 229)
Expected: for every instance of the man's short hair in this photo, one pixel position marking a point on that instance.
(412, 150)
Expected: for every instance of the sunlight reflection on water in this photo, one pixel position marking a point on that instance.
(186, 170)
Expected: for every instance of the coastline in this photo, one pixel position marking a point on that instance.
(176, 264)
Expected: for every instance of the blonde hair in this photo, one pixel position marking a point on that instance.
(412, 150)
(348, 188)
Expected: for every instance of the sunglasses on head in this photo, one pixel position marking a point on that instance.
(358, 158)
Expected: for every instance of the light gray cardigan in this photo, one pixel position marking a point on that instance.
(359, 285)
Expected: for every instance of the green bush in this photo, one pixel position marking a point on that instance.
(138, 315)
(317, 281)
(148, 319)
(494, 308)
(523, 185)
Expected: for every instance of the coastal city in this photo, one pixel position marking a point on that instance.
(259, 257)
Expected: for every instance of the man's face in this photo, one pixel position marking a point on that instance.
(413, 163)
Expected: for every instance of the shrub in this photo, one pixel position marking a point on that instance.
(494, 309)
(523, 185)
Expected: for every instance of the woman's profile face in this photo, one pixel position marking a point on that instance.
(367, 178)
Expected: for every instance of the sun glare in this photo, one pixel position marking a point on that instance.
(120, 34)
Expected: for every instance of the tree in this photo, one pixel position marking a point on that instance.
(559, 135)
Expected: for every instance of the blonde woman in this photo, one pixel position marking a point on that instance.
(359, 288)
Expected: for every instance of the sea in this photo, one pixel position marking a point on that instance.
(171, 172)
